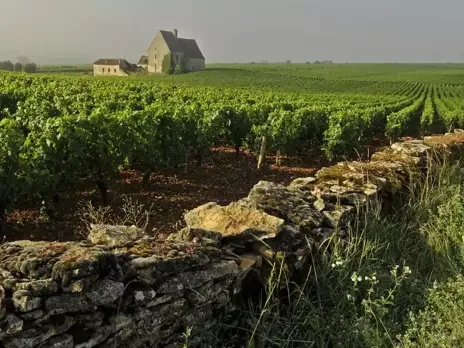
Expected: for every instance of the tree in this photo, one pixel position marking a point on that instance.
(167, 64)
(288, 62)
(30, 68)
(18, 67)
(181, 68)
(23, 60)
(6, 65)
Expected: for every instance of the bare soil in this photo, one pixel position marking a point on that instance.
(223, 177)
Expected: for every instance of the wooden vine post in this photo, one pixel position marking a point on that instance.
(262, 152)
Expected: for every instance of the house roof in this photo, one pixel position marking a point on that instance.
(143, 60)
(190, 48)
(106, 61)
(171, 41)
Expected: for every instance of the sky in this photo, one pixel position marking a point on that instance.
(69, 31)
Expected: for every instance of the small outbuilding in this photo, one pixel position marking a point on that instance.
(111, 67)
(143, 62)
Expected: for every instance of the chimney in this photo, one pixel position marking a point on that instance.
(175, 32)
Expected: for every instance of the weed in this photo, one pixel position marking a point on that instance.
(386, 286)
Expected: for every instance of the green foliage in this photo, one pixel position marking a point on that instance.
(11, 184)
(387, 286)
(30, 68)
(168, 64)
(181, 67)
(18, 67)
(441, 322)
(75, 128)
(7, 66)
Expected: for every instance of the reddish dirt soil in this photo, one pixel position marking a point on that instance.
(222, 178)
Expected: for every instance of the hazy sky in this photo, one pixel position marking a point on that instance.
(236, 30)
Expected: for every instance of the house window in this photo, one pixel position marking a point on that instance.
(155, 55)
(177, 58)
(193, 68)
(103, 70)
(114, 69)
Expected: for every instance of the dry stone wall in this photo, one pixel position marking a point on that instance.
(121, 288)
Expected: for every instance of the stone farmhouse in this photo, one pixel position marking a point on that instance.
(111, 67)
(182, 50)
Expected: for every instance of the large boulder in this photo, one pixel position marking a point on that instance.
(234, 220)
(291, 205)
(114, 236)
(411, 147)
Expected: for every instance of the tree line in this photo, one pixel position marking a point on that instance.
(27, 68)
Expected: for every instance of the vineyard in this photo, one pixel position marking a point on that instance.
(56, 131)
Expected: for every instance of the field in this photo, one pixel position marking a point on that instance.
(75, 149)
(179, 141)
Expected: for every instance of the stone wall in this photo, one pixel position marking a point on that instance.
(121, 288)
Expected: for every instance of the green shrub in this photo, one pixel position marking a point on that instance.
(381, 288)
(168, 64)
(441, 323)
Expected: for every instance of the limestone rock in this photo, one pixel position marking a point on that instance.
(194, 279)
(411, 147)
(291, 206)
(114, 236)
(24, 302)
(80, 285)
(234, 220)
(340, 217)
(67, 304)
(10, 326)
(34, 315)
(250, 261)
(92, 319)
(105, 291)
(143, 298)
(197, 235)
(160, 300)
(29, 339)
(303, 184)
(319, 205)
(37, 336)
(39, 287)
(63, 341)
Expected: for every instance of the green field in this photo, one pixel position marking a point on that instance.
(58, 128)
(396, 281)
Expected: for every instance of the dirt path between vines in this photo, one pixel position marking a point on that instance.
(222, 178)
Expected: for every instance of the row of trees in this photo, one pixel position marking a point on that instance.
(9, 66)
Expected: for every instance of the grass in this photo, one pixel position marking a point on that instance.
(297, 78)
(396, 282)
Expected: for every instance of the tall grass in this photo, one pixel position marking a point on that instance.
(381, 286)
